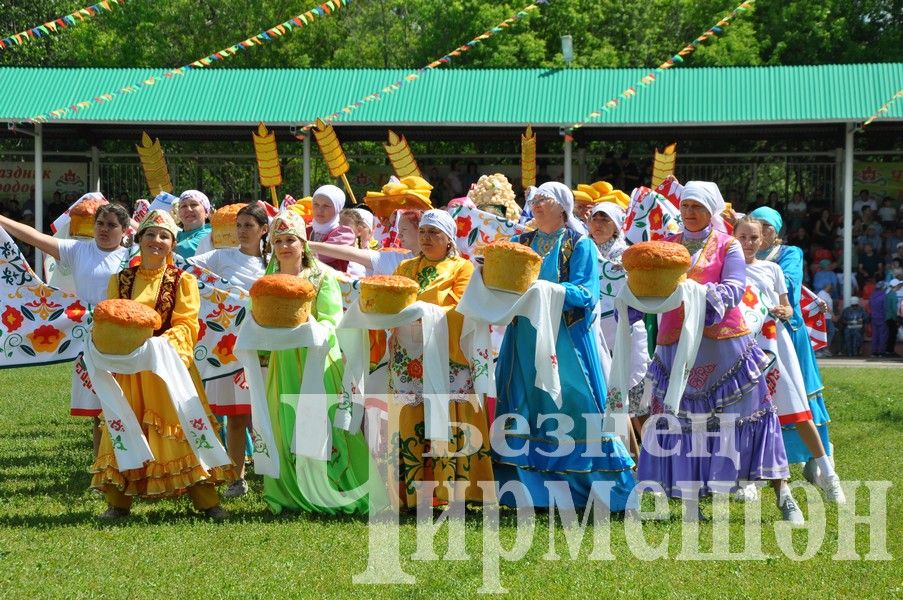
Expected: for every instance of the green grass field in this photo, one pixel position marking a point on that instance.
(51, 544)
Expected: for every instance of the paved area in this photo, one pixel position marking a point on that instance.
(870, 363)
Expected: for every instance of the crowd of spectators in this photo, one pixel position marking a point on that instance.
(877, 261)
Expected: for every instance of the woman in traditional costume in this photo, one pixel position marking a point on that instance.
(193, 211)
(328, 201)
(726, 387)
(803, 444)
(91, 263)
(175, 468)
(242, 266)
(791, 398)
(570, 259)
(304, 483)
(442, 276)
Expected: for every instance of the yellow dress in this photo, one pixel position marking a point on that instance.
(441, 283)
(175, 467)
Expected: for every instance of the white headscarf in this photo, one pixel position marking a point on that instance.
(337, 197)
(614, 212)
(707, 194)
(196, 195)
(442, 221)
(560, 194)
(366, 215)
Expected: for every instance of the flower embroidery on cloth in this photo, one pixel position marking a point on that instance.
(426, 276)
(700, 374)
(750, 298)
(770, 330)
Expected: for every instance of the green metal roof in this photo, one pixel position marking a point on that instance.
(459, 97)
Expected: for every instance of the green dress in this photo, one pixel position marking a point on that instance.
(305, 483)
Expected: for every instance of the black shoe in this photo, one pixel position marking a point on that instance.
(216, 513)
(114, 514)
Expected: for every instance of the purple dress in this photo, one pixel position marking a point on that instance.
(727, 380)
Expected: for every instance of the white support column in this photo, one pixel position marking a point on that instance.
(568, 166)
(38, 193)
(838, 180)
(307, 163)
(95, 168)
(848, 215)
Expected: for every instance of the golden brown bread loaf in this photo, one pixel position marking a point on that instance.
(222, 223)
(281, 300)
(122, 326)
(510, 267)
(387, 294)
(82, 218)
(655, 268)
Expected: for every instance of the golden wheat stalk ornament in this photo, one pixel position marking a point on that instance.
(528, 158)
(332, 152)
(663, 164)
(400, 155)
(154, 164)
(268, 168)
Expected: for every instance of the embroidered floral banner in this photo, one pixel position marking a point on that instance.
(476, 228)
(223, 308)
(39, 324)
(650, 216)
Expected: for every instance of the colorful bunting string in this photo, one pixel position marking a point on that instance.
(267, 35)
(64, 22)
(414, 75)
(712, 32)
(884, 109)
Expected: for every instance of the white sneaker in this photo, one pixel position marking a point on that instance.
(832, 488)
(747, 493)
(790, 511)
(811, 472)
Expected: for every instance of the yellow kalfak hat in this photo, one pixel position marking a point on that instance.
(409, 192)
(592, 193)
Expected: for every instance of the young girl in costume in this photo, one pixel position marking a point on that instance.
(790, 394)
(241, 266)
(798, 442)
(301, 484)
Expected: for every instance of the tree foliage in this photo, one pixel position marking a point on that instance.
(409, 34)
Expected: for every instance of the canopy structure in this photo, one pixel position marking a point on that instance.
(786, 102)
(457, 103)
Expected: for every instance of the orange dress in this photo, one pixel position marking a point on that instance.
(175, 467)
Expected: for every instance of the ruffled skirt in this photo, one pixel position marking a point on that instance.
(727, 427)
(175, 466)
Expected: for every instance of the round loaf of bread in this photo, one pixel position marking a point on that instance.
(387, 294)
(82, 218)
(510, 267)
(282, 300)
(655, 268)
(122, 326)
(222, 222)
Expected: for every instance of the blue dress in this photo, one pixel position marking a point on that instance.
(569, 258)
(790, 259)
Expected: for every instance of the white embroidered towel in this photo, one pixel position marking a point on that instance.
(541, 304)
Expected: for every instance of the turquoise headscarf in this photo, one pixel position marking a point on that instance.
(770, 216)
